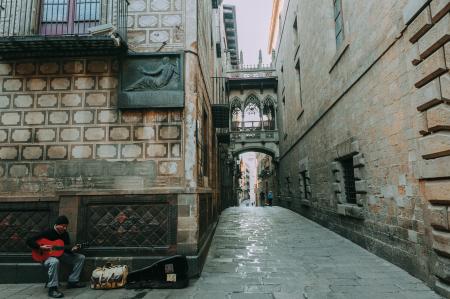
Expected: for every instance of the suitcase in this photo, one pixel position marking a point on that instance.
(168, 273)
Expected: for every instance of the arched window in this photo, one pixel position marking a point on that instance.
(268, 114)
(252, 113)
(236, 114)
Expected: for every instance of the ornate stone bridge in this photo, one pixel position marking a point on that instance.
(252, 98)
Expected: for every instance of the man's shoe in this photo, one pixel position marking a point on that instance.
(54, 293)
(75, 285)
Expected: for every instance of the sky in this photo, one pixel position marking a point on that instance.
(253, 21)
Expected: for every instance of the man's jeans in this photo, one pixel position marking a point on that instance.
(52, 264)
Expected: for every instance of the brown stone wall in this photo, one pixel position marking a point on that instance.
(60, 130)
(379, 101)
(429, 35)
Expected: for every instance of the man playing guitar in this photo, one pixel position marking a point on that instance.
(69, 256)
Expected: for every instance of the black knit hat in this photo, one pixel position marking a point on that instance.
(61, 220)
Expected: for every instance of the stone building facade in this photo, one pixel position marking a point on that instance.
(364, 142)
(138, 183)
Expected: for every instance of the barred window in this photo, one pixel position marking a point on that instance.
(349, 179)
(304, 185)
(87, 10)
(55, 10)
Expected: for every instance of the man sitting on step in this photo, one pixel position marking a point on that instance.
(59, 232)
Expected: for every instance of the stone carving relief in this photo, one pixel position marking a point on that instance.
(155, 79)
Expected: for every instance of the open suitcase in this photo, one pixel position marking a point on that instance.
(168, 273)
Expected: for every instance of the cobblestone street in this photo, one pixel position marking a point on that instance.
(269, 253)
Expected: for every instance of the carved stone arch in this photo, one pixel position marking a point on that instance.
(236, 103)
(252, 99)
(237, 114)
(268, 113)
(252, 106)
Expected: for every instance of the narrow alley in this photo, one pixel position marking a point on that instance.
(273, 253)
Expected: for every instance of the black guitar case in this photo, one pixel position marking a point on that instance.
(168, 273)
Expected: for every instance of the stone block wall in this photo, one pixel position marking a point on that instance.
(60, 129)
(156, 23)
(379, 102)
(429, 35)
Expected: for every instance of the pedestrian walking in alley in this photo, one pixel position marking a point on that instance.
(270, 198)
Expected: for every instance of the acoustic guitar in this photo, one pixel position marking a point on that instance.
(40, 255)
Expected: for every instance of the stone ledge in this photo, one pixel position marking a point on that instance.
(435, 38)
(350, 210)
(431, 68)
(306, 203)
(435, 145)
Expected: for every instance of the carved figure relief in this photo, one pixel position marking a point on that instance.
(155, 79)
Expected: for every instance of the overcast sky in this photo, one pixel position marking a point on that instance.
(253, 21)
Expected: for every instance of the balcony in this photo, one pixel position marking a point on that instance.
(55, 28)
(239, 126)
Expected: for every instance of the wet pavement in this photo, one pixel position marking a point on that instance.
(273, 253)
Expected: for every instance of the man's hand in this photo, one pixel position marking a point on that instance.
(46, 247)
(75, 248)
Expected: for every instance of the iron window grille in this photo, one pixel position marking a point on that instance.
(349, 179)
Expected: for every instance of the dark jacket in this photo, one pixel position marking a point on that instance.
(51, 235)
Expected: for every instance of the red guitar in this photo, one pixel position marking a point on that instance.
(57, 249)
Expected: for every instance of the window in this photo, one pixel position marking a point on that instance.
(349, 179)
(338, 19)
(205, 145)
(299, 82)
(295, 31)
(69, 16)
(304, 184)
(87, 10)
(55, 10)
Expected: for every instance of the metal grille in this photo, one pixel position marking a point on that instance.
(304, 185)
(132, 225)
(349, 180)
(19, 222)
(26, 18)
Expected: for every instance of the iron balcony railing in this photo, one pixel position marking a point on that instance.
(33, 18)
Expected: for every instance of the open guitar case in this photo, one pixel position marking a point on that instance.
(168, 273)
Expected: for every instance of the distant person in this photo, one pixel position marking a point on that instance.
(262, 198)
(270, 198)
